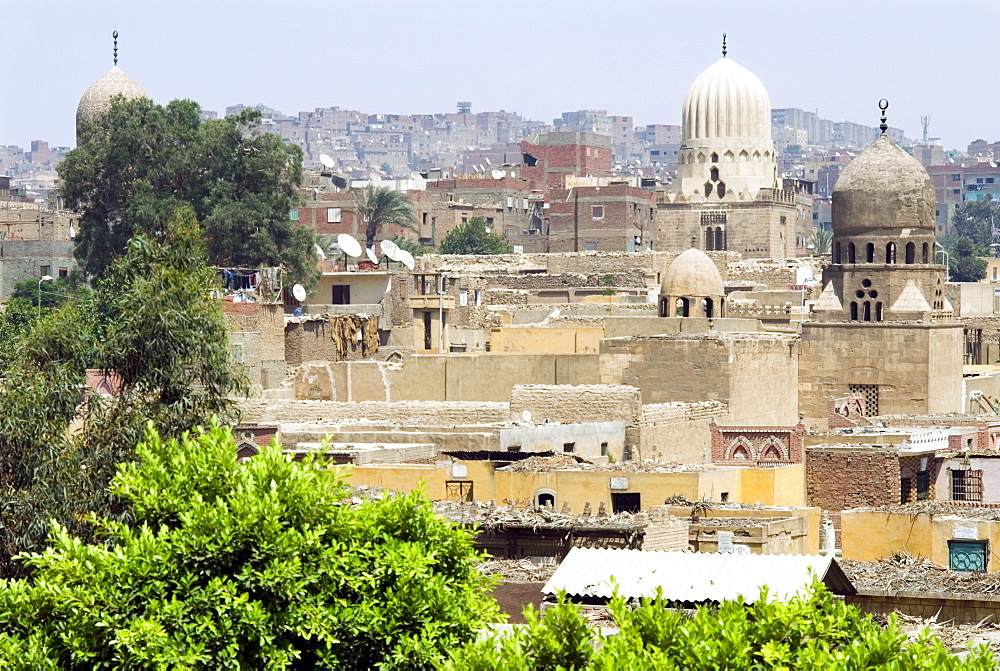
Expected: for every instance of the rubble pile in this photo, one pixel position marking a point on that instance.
(904, 573)
(941, 508)
(517, 570)
(568, 462)
(491, 516)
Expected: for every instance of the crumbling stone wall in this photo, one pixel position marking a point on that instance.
(678, 432)
(403, 413)
(257, 330)
(579, 403)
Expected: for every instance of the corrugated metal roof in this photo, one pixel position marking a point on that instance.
(692, 576)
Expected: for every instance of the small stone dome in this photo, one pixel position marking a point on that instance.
(96, 100)
(692, 274)
(726, 100)
(884, 187)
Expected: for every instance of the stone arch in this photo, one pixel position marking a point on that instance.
(870, 252)
(836, 252)
(890, 252)
(851, 253)
(740, 448)
(709, 188)
(713, 174)
(720, 188)
(854, 311)
(925, 257)
(728, 155)
(720, 238)
(911, 252)
(682, 305)
(709, 240)
(744, 156)
(878, 311)
(774, 449)
(715, 157)
(756, 156)
(709, 307)
(701, 157)
(867, 311)
(544, 496)
(246, 449)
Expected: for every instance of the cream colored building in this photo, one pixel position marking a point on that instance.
(727, 195)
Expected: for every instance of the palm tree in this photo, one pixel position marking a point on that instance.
(820, 241)
(380, 205)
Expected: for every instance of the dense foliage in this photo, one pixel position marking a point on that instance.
(814, 631)
(978, 220)
(136, 164)
(249, 566)
(152, 323)
(30, 301)
(473, 237)
(379, 206)
(964, 259)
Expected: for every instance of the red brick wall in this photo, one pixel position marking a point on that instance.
(788, 440)
(555, 162)
(841, 479)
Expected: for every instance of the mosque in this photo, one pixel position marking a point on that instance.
(727, 195)
(96, 100)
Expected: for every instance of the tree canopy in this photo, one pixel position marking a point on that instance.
(255, 565)
(965, 264)
(152, 324)
(813, 631)
(472, 237)
(137, 163)
(379, 206)
(977, 220)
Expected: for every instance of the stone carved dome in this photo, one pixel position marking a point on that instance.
(97, 99)
(692, 274)
(726, 100)
(883, 188)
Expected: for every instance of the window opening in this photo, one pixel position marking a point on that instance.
(569, 447)
(836, 252)
(870, 252)
(870, 394)
(854, 311)
(923, 485)
(911, 252)
(546, 499)
(604, 449)
(967, 556)
(966, 485)
(890, 252)
(458, 490)
(868, 311)
(622, 502)
(851, 252)
(905, 489)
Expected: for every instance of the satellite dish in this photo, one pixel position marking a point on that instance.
(299, 292)
(326, 160)
(390, 249)
(497, 174)
(349, 245)
(405, 258)
(488, 161)
(322, 254)
(372, 256)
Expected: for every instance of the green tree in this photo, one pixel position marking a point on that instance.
(379, 206)
(139, 162)
(413, 247)
(820, 241)
(977, 219)
(964, 260)
(473, 237)
(155, 328)
(258, 565)
(814, 631)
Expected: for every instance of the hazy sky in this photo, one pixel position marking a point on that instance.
(536, 58)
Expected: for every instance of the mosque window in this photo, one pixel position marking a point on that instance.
(911, 252)
(836, 252)
(878, 311)
(867, 315)
(720, 239)
(890, 252)
(744, 156)
(721, 189)
(714, 173)
(709, 187)
(715, 158)
(869, 392)
(728, 156)
(870, 252)
(709, 240)
(851, 253)
(854, 311)
(925, 249)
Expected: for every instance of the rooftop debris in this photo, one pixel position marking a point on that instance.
(517, 570)
(940, 508)
(955, 636)
(569, 462)
(904, 573)
(489, 516)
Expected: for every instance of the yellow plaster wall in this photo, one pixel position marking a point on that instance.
(782, 486)
(548, 340)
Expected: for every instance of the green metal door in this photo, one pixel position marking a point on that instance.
(968, 556)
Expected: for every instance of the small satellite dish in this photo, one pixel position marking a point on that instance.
(526, 416)
(326, 161)
(488, 161)
(372, 256)
(299, 292)
(390, 249)
(322, 254)
(405, 258)
(349, 245)
(497, 174)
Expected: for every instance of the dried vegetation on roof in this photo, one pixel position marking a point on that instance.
(568, 462)
(490, 516)
(903, 573)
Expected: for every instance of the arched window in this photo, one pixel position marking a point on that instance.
(708, 308)
(709, 240)
(714, 173)
(771, 454)
(911, 252)
(836, 252)
(854, 311)
(546, 499)
(721, 189)
(878, 311)
(681, 307)
(715, 159)
(925, 254)
(744, 156)
(720, 239)
(870, 252)
(868, 311)
(890, 252)
(709, 187)
(851, 253)
(741, 453)
(664, 308)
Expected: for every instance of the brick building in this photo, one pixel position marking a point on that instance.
(548, 158)
(618, 217)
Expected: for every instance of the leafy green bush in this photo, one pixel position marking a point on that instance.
(474, 237)
(814, 631)
(254, 565)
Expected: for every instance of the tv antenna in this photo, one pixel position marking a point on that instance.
(925, 121)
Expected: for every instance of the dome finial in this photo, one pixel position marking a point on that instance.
(883, 105)
(115, 35)
(723, 45)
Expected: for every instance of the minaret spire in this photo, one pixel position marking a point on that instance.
(723, 45)
(883, 105)
(115, 36)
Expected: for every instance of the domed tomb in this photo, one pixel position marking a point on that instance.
(96, 100)
(692, 287)
(884, 189)
(726, 127)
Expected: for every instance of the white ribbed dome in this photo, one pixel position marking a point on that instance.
(96, 100)
(726, 101)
